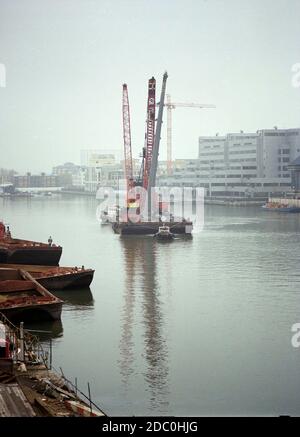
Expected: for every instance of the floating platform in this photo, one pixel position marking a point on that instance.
(16, 251)
(57, 278)
(22, 296)
(151, 228)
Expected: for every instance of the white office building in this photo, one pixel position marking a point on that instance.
(241, 164)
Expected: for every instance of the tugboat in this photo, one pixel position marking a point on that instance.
(164, 233)
(109, 215)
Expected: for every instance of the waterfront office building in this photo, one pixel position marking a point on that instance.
(241, 164)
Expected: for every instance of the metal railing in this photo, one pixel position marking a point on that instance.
(23, 345)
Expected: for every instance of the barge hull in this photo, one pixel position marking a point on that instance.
(76, 280)
(36, 256)
(151, 228)
(56, 278)
(51, 311)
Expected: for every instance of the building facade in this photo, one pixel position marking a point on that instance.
(240, 164)
(35, 181)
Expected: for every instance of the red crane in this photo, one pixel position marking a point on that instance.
(152, 140)
(127, 140)
(150, 131)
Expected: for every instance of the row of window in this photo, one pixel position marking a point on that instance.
(244, 160)
(208, 162)
(241, 152)
(267, 184)
(274, 134)
(281, 134)
(243, 144)
(210, 140)
(244, 137)
(211, 153)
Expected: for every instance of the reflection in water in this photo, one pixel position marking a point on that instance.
(46, 329)
(140, 265)
(79, 297)
(74, 300)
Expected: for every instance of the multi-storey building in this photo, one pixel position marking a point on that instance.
(35, 181)
(241, 163)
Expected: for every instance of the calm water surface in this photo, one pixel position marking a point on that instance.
(191, 327)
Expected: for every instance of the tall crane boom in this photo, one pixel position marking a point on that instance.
(150, 134)
(127, 139)
(172, 105)
(153, 170)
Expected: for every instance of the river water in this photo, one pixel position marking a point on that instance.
(190, 327)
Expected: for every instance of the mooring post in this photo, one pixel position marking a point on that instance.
(22, 352)
(50, 354)
(90, 396)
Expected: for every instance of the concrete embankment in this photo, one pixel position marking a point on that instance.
(234, 201)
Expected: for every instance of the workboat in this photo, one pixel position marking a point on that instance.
(109, 214)
(17, 251)
(164, 233)
(279, 207)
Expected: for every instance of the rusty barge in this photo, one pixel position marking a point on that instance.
(21, 296)
(57, 278)
(18, 251)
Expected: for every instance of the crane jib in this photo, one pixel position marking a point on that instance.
(150, 132)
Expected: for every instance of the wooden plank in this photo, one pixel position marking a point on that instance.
(13, 402)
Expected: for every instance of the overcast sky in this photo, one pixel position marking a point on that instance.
(66, 61)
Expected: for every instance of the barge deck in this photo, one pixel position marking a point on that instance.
(22, 296)
(57, 278)
(151, 228)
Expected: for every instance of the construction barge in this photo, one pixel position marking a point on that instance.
(57, 278)
(29, 386)
(22, 296)
(151, 228)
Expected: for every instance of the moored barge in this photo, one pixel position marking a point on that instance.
(18, 251)
(57, 278)
(22, 296)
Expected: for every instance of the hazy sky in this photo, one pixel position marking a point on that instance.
(66, 61)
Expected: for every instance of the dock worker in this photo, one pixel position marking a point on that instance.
(50, 241)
